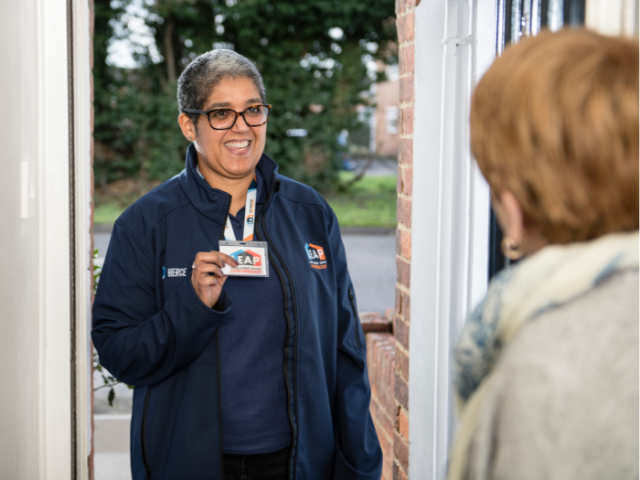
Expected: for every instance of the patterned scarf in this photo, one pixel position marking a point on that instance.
(554, 276)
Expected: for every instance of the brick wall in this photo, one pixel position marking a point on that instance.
(381, 366)
(405, 11)
(381, 363)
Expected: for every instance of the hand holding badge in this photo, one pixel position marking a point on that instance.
(251, 257)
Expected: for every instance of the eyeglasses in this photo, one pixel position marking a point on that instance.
(225, 118)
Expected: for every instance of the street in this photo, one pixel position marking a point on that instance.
(372, 265)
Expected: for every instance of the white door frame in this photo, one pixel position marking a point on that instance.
(80, 42)
(455, 44)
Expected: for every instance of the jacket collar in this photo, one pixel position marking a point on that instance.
(211, 202)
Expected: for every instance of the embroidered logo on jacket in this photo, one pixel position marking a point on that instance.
(173, 272)
(317, 258)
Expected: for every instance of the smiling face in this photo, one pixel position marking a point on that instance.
(228, 154)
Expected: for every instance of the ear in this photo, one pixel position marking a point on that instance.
(510, 215)
(187, 126)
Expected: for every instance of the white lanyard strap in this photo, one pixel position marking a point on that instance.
(249, 216)
(249, 213)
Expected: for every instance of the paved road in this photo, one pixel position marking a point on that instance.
(379, 167)
(372, 265)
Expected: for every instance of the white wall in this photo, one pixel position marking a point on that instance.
(19, 242)
(35, 307)
(455, 43)
(613, 17)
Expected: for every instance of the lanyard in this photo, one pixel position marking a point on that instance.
(249, 213)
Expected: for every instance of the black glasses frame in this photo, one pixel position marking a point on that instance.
(238, 114)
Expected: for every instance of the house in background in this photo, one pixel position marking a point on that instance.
(384, 121)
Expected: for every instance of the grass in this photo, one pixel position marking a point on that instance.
(370, 202)
(107, 213)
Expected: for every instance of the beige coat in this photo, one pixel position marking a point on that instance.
(564, 401)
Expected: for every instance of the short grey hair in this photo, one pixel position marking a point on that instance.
(198, 80)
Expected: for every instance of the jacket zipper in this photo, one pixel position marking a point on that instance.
(352, 299)
(285, 364)
(222, 237)
(143, 436)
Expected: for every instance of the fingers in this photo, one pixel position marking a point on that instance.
(209, 281)
(213, 257)
(227, 259)
(208, 269)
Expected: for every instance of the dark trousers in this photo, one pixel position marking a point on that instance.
(266, 466)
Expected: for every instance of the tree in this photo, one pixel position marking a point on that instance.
(309, 53)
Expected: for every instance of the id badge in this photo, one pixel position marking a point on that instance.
(251, 257)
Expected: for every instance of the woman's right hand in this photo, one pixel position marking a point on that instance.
(206, 276)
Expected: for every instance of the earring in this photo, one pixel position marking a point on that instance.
(511, 249)
(189, 138)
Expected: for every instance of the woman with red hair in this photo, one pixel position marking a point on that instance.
(547, 364)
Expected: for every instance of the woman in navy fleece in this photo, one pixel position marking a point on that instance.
(236, 377)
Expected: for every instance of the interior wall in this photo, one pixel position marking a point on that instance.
(20, 337)
(35, 296)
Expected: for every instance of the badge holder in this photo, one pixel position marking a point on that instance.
(252, 258)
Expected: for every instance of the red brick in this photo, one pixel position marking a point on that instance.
(387, 377)
(386, 444)
(406, 89)
(389, 314)
(384, 427)
(407, 59)
(406, 33)
(401, 29)
(381, 367)
(409, 27)
(398, 473)
(401, 389)
(401, 451)
(401, 329)
(406, 28)
(405, 244)
(403, 304)
(404, 272)
(403, 213)
(407, 120)
(400, 6)
(404, 5)
(402, 364)
(407, 181)
(406, 307)
(402, 423)
(387, 458)
(387, 469)
(405, 154)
